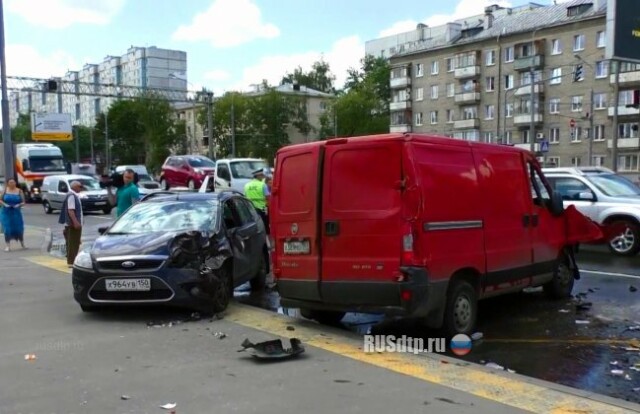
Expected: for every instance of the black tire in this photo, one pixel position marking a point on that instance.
(561, 286)
(461, 312)
(627, 243)
(223, 295)
(322, 316)
(107, 210)
(47, 207)
(259, 281)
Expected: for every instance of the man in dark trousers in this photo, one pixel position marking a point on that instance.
(72, 218)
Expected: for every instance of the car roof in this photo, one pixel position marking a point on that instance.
(583, 171)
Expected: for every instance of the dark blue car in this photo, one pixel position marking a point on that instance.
(141, 259)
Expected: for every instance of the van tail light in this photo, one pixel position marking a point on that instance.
(408, 252)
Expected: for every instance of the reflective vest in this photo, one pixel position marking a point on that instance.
(254, 191)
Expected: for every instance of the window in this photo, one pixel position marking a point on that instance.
(435, 67)
(524, 106)
(508, 110)
(451, 89)
(601, 39)
(627, 130)
(576, 161)
(556, 76)
(626, 98)
(488, 137)
(554, 105)
(602, 69)
(489, 111)
(539, 191)
(508, 137)
(598, 160)
(419, 94)
(222, 171)
(578, 43)
(526, 50)
(570, 188)
(576, 103)
(244, 214)
(628, 163)
(554, 135)
(418, 120)
(434, 117)
(434, 91)
(470, 112)
(450, 65)
(401, 95)
(450, 116)
(508, 82)
(464, 60)
(491, 83)
(556, 47)
(419, 70)
(470, 86)
(598, 133)
(576, 135)
(553, 161)
(524, 136)
(62, 187)
(600, 101)
(508, 54)
(490, 57)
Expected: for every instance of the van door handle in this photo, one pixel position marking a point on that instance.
(331, 228)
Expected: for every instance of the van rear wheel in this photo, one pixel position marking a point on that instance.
(461, 310)
(47, 207)
(324, 317)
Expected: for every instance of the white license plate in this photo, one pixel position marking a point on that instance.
(297, 247)
(128, 285)
(101, 203)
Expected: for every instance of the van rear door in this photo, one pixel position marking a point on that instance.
(361, 220)
(294, 223)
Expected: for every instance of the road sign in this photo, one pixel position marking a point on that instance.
(51, 127)
(572, 123)
(544, 146)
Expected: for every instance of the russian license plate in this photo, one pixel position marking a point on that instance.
(101, 203)
(297, 247)
(128, 285)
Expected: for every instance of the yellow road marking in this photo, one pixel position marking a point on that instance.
(496, 386)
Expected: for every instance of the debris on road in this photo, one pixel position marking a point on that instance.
(273, 349)
(220, 335)
(169, 406)
(632, 288)
(617, 372)
(493, 365)
(613, 363)
(564, 311)
(582, 322)
(30, 357)
(125, 397)
(290, 328)
(583, 306)
(477, 336)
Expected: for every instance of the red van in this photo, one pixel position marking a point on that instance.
(420, 226)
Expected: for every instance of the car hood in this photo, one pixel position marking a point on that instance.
(94, 193)
(156, 243)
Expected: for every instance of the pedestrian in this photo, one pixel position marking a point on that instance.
(127, 195)
(258, 193)
(73, 219)
(12, 201)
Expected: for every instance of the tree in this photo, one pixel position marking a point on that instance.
(319, 77)
(22, 131)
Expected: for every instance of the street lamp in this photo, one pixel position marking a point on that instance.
(6, 127)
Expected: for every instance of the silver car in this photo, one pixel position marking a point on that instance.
(606, 198)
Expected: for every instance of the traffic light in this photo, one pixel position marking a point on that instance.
(578, 73)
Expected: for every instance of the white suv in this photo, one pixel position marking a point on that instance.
(606, 198)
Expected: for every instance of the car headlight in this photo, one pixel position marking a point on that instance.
(83, 259)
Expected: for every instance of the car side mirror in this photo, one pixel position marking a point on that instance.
(557, 205)
(587, 196)
(102, 230)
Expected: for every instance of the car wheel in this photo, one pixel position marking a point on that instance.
(224, 293)
(47, 207)
(164, 184)
(461, 310)
(322, 316)
(260, 279)
(626, 242)
(561, 286)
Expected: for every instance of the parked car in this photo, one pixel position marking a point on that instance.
(56, 187)
(146, 184)
(185, 170)
(134, 261)
(413, 225)
(234, 173)
(607, 198)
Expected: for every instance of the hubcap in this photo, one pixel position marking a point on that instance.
(623, 242)
(563, 274)
(462, 312)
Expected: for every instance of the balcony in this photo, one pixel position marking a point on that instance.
(525, 63)
(473, 123)
(398, 106)
(399, 128)
(625, 143)
(397, 83)
(467, 97)
(627, 78)
(467, 72)
(536, 147)
(624, 111)
(525, 119)
(526, 90)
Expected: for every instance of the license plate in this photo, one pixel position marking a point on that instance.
(296, 247)
(101, 203)
(135, 285)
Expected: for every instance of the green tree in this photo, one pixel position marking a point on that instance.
(319, 77)
(22, 131)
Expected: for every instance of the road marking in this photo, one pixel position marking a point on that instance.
(599, 273)
(51, 263)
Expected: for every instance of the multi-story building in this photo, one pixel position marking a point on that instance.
(196, 134)
(516, 76)
(141, 67)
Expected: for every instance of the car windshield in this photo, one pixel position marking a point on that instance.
(201, 162)
(168, 216)
(244, 169)
(89, 184)
(46, 164)
(615, 185)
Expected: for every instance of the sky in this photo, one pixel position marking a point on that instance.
(230, 44)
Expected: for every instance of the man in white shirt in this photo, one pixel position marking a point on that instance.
(71, 216)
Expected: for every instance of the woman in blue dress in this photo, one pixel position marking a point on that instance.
(12, 201)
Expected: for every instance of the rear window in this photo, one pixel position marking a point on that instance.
(298, 196)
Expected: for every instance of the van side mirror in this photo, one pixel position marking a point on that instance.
(587, 196)
(557, 205)
(102, 230)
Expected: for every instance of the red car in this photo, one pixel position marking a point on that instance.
(186, 171)
(413, 225)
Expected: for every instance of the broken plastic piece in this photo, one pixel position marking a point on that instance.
(125, 397)
(273, 349)
(617, 372)
(169, 406)
(581, 322)
(564, 311)
(220, 335)
(477, 336)
(30, 357)
(613, 363)
(494, 365)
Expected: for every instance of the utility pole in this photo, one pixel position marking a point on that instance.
(210, 123)
(106, 142)
(76, 137)
(93, 159)
(616, 97)
(6, 125)
(532, 126)
(592, 132)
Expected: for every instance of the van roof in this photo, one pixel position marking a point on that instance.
(424, 138)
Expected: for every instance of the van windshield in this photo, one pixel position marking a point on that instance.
(615, 185)
(37, 164)
(244, 169)
(89, 184)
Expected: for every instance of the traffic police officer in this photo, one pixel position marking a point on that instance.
(258, 193)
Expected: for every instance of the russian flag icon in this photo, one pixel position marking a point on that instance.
(461, 344)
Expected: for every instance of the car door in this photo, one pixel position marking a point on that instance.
(576, 192)
(223, 176)
(240, 229)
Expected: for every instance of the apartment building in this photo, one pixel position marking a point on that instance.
(491, 77)
(196, 139)
(142, 67)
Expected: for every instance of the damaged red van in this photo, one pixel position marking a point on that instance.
(418, 226)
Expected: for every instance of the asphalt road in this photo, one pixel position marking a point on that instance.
(577, 342)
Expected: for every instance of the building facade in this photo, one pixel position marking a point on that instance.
(142, 67)
(196, 135)
(533, 76)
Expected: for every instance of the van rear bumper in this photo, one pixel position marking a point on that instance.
(428, 297)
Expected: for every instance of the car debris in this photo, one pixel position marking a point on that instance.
(632, 288)
(169, 406)
(30, 357)
(583, 306)
(273, 349)
(220, 335)
(125, 397)
(564, 311)
(582, 322)
(477, 336)
(617, 372)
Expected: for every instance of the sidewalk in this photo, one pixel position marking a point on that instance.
(116, 354)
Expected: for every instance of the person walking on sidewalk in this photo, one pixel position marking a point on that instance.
(72, 218)
(12, 201)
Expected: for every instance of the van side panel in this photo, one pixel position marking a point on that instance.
(361, 219)
(450, 235)
(507, 190)
(295, 207)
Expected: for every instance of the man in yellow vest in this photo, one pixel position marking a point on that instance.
(258, 193)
